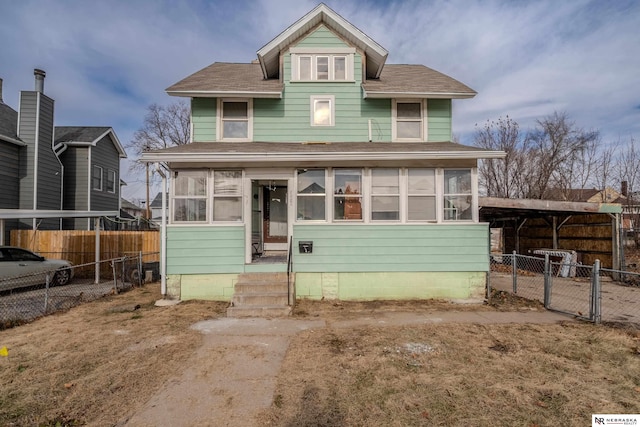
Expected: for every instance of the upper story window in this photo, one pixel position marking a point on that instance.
(408, 120)
(322, 110)
(96, 178)
(111, 181)
(235, 120)
(316, 64)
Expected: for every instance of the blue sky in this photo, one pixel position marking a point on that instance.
(106, 61)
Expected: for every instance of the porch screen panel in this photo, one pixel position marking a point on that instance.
(347, 199)
(190, 196)
(457, 195)
(385, 195)
(421, 194)
(227, 196)
(311, 200)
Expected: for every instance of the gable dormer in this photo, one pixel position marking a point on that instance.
(322, 18)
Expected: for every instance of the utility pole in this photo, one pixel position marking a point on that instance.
(148, 208)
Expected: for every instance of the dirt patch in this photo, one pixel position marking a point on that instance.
(456, 375)
(97, 362)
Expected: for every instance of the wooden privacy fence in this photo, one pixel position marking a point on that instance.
(79, 246)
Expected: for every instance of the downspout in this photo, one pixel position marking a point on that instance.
(163, 234)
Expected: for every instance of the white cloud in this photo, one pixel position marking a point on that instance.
(107, 61)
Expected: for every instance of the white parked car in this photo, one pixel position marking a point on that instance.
(20, 267)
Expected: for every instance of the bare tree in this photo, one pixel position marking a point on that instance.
(628, 171)
(163, 127)
(500, 177)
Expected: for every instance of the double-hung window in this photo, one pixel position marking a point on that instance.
(227, 195)
(311, 195)
(408, 122)
(235, 120)
(96, 178)
(421, 194)
(190, 196)
(385, 195)
(347, 197)
(111, 181)
(457, 195)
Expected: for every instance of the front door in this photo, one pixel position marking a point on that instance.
(275, 214)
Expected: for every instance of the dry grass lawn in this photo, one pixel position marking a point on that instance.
(98, 363)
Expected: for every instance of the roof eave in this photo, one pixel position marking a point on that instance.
(431, 95)
(12, 141)
(316, 156)
(225, 94)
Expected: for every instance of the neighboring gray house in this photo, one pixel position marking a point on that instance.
(33, 172)
(91, 158)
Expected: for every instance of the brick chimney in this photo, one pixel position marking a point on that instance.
(624, 188)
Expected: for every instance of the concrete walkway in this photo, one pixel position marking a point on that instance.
(232, 376)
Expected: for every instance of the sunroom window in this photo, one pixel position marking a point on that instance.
(311, 195)
(385, 195)
(190, 196)
(457, 195)
(227, 195)
(235, 120)
(347, 198)
(421, 194)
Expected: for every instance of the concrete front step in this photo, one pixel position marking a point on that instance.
(260, 299)
(259, 288)
(265, 311)
(260, 295)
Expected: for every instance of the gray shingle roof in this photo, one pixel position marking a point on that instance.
(227, 77)
(415, 79)
(78, 133)
(8, 121)
(395, 78)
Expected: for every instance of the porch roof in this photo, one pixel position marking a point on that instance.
(249, 152)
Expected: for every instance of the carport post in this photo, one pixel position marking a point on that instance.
(547, 281)
(96, 227)
(514, 272)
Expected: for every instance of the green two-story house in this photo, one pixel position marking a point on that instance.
(320, 153)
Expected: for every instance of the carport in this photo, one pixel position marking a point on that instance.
(31, 213)
(591, 229)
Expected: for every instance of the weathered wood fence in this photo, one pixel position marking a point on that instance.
(79, 246)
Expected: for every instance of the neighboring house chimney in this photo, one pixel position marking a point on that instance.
(40, 75)
(624, 188)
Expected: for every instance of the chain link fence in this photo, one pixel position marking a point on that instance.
(588, 292)
(28, 297)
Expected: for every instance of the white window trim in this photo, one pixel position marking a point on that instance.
(212, 196)
(173, 198)
(423, 118)
(93, 187)
(474, 197)
(332, 107)
(219, 121)
(348, 54)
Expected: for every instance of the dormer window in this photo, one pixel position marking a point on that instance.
(317, 64)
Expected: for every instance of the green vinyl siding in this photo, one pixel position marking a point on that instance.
(321, 37)
(203, 250)
(439, 120)
(203, 119)
(392, 248)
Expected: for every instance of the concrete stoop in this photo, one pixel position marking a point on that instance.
(260, 295)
